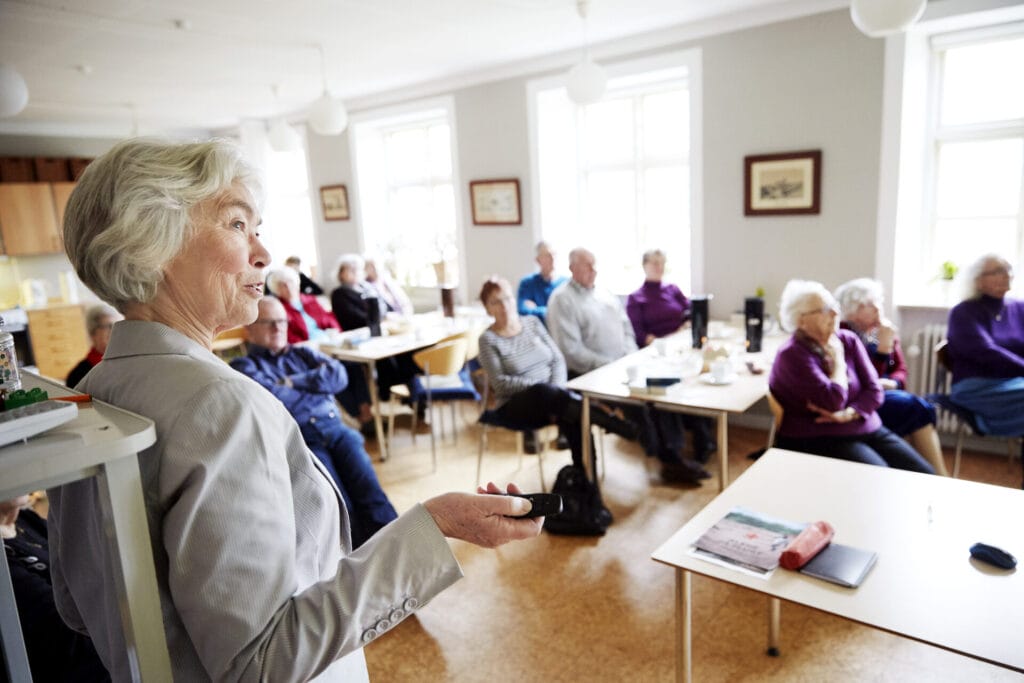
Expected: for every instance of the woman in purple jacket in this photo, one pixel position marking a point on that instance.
(829, 390)
(986, 349)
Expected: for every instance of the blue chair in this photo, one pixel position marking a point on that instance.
(964, 418)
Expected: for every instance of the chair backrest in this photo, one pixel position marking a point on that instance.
(943, 368)
(443, 358)
(777, 412)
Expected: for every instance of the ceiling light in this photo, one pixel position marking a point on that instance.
(879, 18)
(13, 91)
(586, 81)
(327, 116)
(282, 137)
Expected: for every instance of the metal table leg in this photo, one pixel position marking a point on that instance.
(774, 619)
(586, 446)
(684, 627)
(723, 450)
(14, 656)
(378, 423)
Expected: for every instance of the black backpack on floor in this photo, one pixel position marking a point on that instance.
(583, 511)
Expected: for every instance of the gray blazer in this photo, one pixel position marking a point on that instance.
(253, 558)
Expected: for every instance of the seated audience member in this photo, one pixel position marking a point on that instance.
(307, 319)
(658, 310)
(829, 390)
(986, 349)
(861, 303)
(535, 289)
(55, 652)
(590, 327)
(99, 320)
(309, 322)
(350, 302)
(306, 285)
(390, 293)
(527, 373)
(305, 381)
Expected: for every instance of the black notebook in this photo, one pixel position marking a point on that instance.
(841, 564)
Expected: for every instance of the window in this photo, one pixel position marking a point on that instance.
(407, 192)
(287, 215)
(616, 176)
(973, 202)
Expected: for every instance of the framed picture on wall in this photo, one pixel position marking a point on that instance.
(782, 184)
(334, 199)
(496, 202)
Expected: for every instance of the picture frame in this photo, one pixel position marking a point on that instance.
(496, 202)
(782, 184)
(334, 200)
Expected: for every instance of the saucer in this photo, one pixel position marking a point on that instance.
(708, 378)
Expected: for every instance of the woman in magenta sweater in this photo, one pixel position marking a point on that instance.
(828, 388)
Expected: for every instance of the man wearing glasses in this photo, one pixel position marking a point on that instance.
(305, 381)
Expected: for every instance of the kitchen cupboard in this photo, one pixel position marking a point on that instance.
(28, 217)
(59, 340)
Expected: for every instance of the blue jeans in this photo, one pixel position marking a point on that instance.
(880, 447)
(341, 451)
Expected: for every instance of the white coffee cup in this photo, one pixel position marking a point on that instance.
(633, 374)
(721, 369)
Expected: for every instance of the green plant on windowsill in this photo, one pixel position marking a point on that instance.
(949, 270)
(759, 292)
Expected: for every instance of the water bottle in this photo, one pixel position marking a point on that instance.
(10, 379)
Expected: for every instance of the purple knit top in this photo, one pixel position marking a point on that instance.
(657, 309)
(986, 338)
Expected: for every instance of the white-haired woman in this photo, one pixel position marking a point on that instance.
(829, 390)
(393, 298)
(986, 349)
(862, 305)
(307, 319)
(250, 537)
(99, 320)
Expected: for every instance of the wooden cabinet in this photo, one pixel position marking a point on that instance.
(59, 340)
(28, 218)
(61, 194)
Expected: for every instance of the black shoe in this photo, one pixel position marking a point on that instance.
(685, 472)
(530, 443)
(562, 443)
(703, 453)
(368, 429)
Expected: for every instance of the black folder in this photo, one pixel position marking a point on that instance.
(841, 564)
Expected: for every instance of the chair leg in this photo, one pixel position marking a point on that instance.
(542, 446)
(959, 448)
(480, 454)
(520, 449)
(392, 404)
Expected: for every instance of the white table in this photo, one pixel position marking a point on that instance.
(101, 442)
(425, 330)
(690, 396)
(924, 585)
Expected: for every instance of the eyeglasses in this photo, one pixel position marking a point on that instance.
(824, 310)
(272, 322)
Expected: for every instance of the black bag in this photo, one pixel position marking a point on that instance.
(583, 512)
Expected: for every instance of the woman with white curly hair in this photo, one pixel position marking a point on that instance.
(828, 388)
(862, 306)
(250, 538)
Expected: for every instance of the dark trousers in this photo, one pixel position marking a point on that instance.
(341, 451)
(357, 392)
(541, 405)
(881, 448)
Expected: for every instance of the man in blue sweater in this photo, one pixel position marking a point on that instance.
(535, 289)
(305, 381)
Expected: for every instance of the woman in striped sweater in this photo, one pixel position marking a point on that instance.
(527, 373)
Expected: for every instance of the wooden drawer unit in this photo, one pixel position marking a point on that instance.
(28, 219)
(59, 340)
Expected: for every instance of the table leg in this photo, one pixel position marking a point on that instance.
(128, 541)
(723, 450)
(586, 446)
(378, 423)
(14, 656)
(774, 619)
(684, 630)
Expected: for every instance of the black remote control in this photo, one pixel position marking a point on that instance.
(544, 504)
(993, 555)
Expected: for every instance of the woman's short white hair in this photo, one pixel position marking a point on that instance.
(286, 275)
(794, 301)
(974, 271)
(863, 291)
(96, 314)
(353, 261)
(132, 211)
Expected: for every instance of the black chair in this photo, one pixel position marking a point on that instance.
(964, 418)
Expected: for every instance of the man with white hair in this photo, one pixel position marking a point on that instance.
(535, 289)
(590, 326)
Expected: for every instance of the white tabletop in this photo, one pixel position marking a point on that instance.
(924, 586)
(420, 332)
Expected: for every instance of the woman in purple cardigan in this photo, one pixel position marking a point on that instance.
(656, 309)
(986, 349)
(829, 390)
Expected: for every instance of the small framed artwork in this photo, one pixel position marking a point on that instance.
(334, 199)
(496, 202)
(782, 184)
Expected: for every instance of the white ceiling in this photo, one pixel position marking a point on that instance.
(208, 64)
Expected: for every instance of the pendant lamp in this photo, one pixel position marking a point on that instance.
(880, 18)
(587, 80)
(327, 116)
(13, 91)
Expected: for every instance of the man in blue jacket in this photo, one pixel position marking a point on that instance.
(535, 289)
(305, 381)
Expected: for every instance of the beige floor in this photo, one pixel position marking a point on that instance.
(599, 609)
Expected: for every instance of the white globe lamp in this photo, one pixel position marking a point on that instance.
(880, 18)
(13, 91)
(327, 116)
(282, 137)
(586, 82)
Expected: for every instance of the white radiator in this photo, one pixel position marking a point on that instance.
(925, 376)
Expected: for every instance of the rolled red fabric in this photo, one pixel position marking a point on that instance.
(806, 545)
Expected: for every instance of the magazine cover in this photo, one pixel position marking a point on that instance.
(747, 540)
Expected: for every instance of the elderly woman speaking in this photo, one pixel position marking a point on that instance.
(828, 388)
(250, 538)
